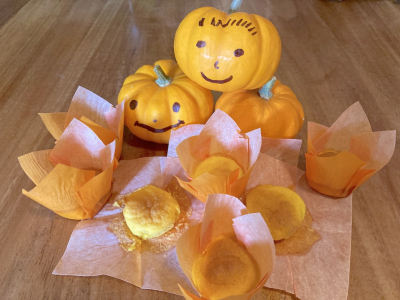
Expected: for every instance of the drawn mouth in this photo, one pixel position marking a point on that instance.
(217, 81)
(149, 128)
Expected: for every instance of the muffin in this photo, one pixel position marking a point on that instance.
(217, 166)
(225, 269)
(150, 212)
(282, 209)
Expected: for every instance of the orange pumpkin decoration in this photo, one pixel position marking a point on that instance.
(159, 98)
(227, 52)
(275, 109)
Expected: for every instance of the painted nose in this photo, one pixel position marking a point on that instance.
(216, 65)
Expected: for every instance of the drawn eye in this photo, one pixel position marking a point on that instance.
(176, 107)
(201, 44)
(238, 52)
(133, 104)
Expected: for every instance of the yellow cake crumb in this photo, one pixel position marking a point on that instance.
(217, 166)
(225, 269)
(282, 209)
(150, 212)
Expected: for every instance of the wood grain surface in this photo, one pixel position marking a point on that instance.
(334, 54)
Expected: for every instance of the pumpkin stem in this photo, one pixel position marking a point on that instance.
(163, 79)
(235, 5)
(265, 91)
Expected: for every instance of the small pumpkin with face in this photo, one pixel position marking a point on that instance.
(160, 98)
(274, 108)
(227, 52)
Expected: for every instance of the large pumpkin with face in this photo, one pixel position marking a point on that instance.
(227, 52)
(275, 109)
(160, 98)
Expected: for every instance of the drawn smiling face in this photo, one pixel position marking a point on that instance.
(155, 116)
(152, 118)
(153, 108)
(225, 52)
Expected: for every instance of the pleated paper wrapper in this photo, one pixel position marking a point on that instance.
(220, 136)
(226, 215)
(74, 179)
(95, 249)
(322, 272)
(342, 157)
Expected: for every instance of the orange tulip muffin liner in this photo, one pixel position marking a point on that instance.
(226, 215)
(220, 136)
(321, 272)
(342, 157)
(74, 179)
(95, 249)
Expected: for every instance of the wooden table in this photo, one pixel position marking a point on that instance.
(334, 54)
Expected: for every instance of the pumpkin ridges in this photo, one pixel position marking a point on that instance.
(255, 70)
(207, 96)
(279, 117)
(290, 110)
(137, 77)
(127, 89)
(278, 111)
(240, 116)
(146, 70)
(252, 82)
(180, 51)
(271, 65)
(174, 92)
(168, 67)
(158, 100)
(287, 93)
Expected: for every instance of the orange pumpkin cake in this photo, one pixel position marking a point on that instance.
(282, 209)
(217, 166)
(225, 269)
(150, 212)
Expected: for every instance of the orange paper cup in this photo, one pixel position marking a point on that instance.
(226, 215)
(75, 178)
(342, 157)
(220, 136)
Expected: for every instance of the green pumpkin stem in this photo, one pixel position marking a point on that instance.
(163, 79)
(235, 5)
(265, 91)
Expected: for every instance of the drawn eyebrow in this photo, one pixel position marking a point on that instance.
(201, 24)
(223, 25)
